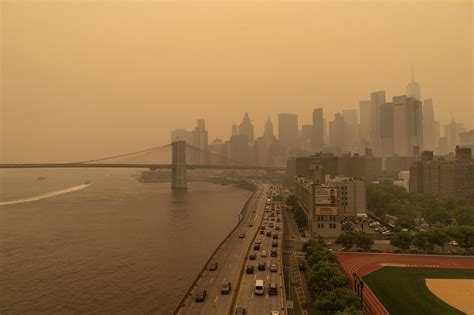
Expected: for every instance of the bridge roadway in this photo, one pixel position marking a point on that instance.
(264, 304)
(138, 165)
(230, 256)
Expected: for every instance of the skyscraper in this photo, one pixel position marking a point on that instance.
(428, 125)
(268, 132)
(408, 125)
(413, 88)
(287, 129)
(351, 123)
(200, 141)
(376, 99)
(246, 128)
(336, 131)
(235, 130)
(365, 115)
(451, 132)
(318, 130)
(182, 135)
(386, 130)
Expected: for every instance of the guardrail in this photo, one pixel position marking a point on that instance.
(181, 304)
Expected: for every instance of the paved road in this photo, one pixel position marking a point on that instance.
(230, 257)
(295, 280)
(264, 304)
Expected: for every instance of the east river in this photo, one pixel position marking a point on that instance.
(99, 241)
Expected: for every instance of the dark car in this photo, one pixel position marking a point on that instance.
(268, 233)
(201, 296)
(250, 269)
(256, 247)
(241, 311)
(226, 287)
(274, 243)
(241, 235)
(272, 289)
(262, 232)
(253, 256)
(274, 253)
(275, 236)
(261, 265)
(303, 235)
(212, 266)
(301, 267)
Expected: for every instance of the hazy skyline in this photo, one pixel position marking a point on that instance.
(85, 79)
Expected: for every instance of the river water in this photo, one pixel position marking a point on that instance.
(115, 245)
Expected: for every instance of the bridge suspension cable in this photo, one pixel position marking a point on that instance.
(122, 155)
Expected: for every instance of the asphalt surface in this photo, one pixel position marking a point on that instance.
(230, 257)
(246, 297)
(295, 280)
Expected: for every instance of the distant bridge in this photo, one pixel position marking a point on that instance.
(178, 165)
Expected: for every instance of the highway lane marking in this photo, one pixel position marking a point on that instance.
(215, 300)
(212, 279)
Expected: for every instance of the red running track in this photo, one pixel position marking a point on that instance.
(365, 263)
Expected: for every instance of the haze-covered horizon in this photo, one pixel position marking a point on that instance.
(86, 79)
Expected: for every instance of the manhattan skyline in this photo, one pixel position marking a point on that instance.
(126, 85)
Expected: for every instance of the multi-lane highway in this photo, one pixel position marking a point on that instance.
(247, 298)
(230, 258)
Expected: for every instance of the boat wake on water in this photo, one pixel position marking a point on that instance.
(46, 195)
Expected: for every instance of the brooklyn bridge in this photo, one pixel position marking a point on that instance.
(177, 156)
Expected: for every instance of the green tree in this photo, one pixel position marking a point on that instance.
(423, 241)
(320, 255)
(463, 235)
(337, 300)
(326, 276)
(352, 310)
(401, 240)
(364, 241)
(347, 240)
(438, 237)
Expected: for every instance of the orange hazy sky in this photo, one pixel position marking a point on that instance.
(85, 79)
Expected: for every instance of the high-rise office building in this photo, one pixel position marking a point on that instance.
(239, 153)
(351, 125)
(408, 125)
(413, 88)
(428, 125)
(386, 130)
(336, 131)
(376, 99)
(246, 128)
(200, 141)
(318, 130)
(451, 132)
(365, 115)
(235, 130)
(287, 129)
(182, 135)
(268, 132)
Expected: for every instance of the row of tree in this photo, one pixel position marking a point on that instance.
(360, 239)
(328, 283)
(426, 240)
(298, 213)
(394, 200)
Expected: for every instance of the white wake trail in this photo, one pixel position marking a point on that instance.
(46, 195)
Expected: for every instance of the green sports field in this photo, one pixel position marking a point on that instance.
(402, 290)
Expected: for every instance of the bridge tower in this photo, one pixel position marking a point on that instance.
(179, 181)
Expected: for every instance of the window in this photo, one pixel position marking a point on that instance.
(320, 225)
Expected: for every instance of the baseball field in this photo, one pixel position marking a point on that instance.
(404, 290)
(412, 284)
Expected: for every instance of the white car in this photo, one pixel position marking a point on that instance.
(263, 253)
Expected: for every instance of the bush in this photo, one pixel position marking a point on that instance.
(401, 240)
